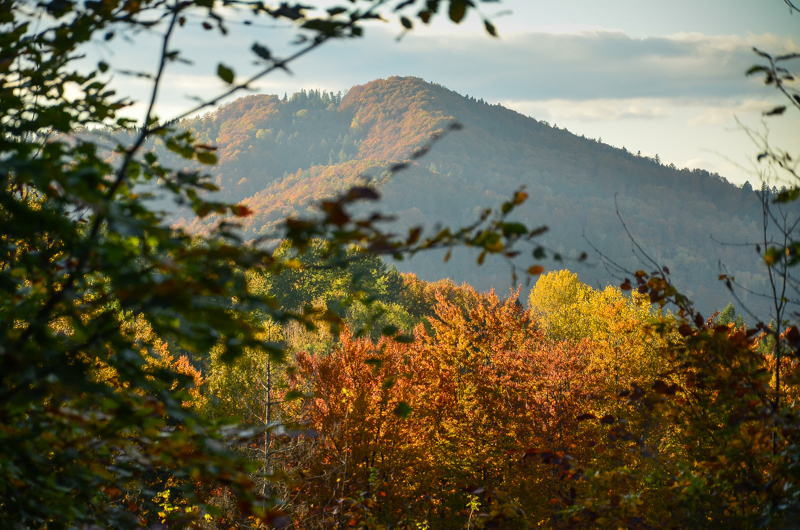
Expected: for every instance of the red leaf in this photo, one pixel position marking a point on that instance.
(241, 210)
(698, 320)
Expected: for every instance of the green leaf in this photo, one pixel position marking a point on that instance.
(789, 195)
(406, 22)
(134, 169)
(204, 157)
(179, 148)
(404, 339)
(403, 410)
(293, 395)
(490, 28)
(772, 256)
(514, 229)
(262, 52)
(458, 8)
(203, 209)
(777, 111)
(225, 73)
(102, 66)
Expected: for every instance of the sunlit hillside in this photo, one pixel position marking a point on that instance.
(279, 156)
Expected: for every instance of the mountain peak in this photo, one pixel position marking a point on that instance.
(279, 156)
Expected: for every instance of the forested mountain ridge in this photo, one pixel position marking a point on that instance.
(279, 155)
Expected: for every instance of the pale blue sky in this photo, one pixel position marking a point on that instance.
(647, 18)
(656, 77)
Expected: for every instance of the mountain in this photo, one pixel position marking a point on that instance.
(278, 156)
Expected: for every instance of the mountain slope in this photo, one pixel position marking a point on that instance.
(279, 156)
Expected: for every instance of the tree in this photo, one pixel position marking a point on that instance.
(727, 315)
(81, 250)
(726, 395)
(441, 422)
(556, 299)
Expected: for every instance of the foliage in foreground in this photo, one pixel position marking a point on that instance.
(94, 427)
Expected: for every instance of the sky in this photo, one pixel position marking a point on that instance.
(653, 77)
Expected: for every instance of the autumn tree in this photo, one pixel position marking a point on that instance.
(441, 422)
(81, 249)
(726, 394)
(615, 323)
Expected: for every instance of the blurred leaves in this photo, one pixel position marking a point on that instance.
(97, 430)
(225, 73)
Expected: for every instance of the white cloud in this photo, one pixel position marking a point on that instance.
(733, 43)
(579, 71)
(553, 110)
(724, 114)
(562, 29)
(700, 163)
(584, 63)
